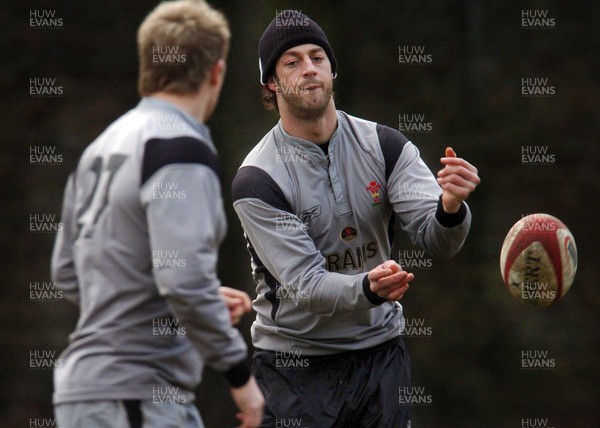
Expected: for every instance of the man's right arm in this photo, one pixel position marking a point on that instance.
(62, 266)
(283, 245)
(184, 239)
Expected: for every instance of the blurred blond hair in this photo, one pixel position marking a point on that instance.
(178, 43)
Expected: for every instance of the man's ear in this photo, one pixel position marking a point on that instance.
(217, 73)
(272, 83)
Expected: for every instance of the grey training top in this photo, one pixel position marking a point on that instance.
(142, 222)
(316, 224)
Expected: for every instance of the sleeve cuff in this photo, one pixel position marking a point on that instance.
(371, 297)
(239, 374)
(448, 219)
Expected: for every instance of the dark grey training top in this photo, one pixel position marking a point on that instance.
(142, 222)
(316, 224)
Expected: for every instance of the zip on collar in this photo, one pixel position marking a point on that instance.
(300, 148)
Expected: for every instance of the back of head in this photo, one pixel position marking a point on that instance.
(178, 43)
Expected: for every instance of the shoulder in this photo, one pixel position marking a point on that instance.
(261, 177)
(163, 151)
(384, 140)
(392, 143)
(252, 182)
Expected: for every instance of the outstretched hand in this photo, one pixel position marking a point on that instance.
(458, 179)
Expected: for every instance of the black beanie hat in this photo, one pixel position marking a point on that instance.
(289, 28)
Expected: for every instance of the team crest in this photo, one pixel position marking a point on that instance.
(373, 188)
(348, 233)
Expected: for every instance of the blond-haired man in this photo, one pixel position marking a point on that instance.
(143, 219)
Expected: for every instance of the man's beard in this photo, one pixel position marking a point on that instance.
(303, 105)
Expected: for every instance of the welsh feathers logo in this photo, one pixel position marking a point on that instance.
(373, 188)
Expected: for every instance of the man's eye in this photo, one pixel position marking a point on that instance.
(291, 63)
(318, 59)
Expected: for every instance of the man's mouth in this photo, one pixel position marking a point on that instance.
(312, 86)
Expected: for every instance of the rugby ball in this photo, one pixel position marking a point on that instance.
(538, 260)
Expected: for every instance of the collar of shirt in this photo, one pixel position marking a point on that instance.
(152, 102)
(308, 147)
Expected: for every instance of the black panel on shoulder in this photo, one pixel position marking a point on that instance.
(160, 152)
(392, 142)
(253, 182)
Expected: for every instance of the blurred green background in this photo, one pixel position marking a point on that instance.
(469, 94)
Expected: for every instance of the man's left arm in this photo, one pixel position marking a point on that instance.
(433, 213)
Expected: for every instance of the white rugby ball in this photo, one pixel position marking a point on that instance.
(538, 260)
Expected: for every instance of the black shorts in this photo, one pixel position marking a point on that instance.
(350, 389)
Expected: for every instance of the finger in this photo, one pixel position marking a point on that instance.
(400, 279)
(394, 279)
(398, 294)
(376, 274)
(458, 161)
(456, 191)
(229, 301)
(246, 302)
(226, 291)
(457, 180)
(458, 170)
(388, 263)
(233, 302)
(236, 313)
(391, 281)
(449, 152)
